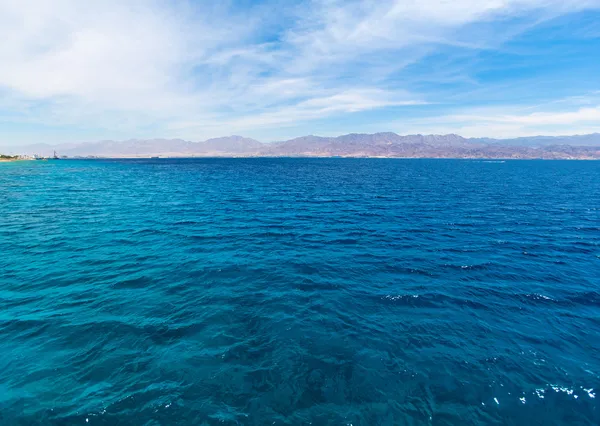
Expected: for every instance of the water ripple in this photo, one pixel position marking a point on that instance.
(299, 291)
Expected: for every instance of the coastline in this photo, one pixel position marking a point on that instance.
(14, 160)
(176, 156)
(337, 157)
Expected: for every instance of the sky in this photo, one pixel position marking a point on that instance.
(75, 71)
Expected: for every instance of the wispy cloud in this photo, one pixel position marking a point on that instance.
(314, 108)
(204, 68)
(553, 119)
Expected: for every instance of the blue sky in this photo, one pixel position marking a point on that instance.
(74, 71)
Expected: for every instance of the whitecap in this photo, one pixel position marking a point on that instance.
(538, 296)
(590, 392)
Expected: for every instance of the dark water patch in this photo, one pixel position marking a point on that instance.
(133, 283)
(587, 298)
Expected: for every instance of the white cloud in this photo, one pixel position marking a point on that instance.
(337, 28)
(312, 109)
(208, 68)
(516, 121)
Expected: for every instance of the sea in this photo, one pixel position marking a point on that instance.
(298, 291)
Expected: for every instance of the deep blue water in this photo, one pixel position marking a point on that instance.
(300, 291)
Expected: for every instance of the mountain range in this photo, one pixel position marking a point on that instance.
(351, 145)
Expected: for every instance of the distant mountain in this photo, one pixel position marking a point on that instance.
(132, 148)
(230, 144)
(540, 141)
(351, 145)
(378, 144)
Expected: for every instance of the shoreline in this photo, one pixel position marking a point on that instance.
(331, 157)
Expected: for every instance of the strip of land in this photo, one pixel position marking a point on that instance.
(378, 145)
(8, 158)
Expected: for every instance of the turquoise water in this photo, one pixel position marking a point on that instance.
(299, 291)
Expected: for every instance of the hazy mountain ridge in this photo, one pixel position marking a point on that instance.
(385, 144)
